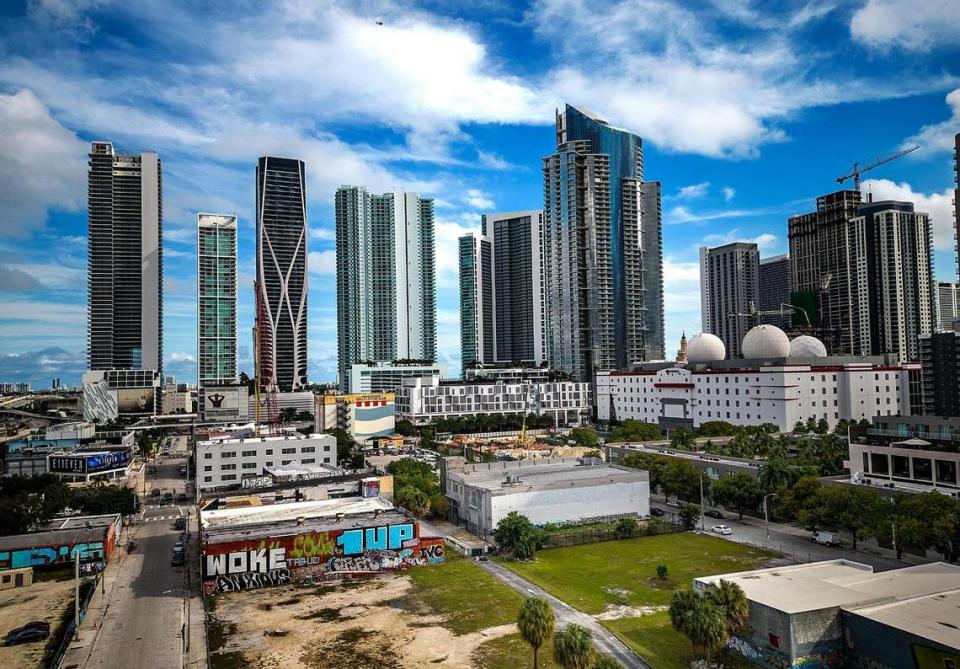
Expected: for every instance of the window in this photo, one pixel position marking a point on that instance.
(285, 462)
(308, 461)
(288, 451)
(208, 468)
(228, 454)
(207, 479)
(249, 465)
(269, 451)
(229, 477)
(307, 449)
(228, 467)
(326, 449)
(208, 456)
(269, 463)
(249, 454)
(326, 461)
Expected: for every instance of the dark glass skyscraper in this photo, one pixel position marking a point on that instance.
(602, 249)
(125, 260)
(282, 266)
(775, 290)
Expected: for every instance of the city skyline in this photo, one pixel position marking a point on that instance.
(734, 163)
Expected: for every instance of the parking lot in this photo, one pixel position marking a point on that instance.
(45, 601)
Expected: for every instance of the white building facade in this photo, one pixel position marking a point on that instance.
(423, 399)
(223, 463)
(755, 394)
(383, 377)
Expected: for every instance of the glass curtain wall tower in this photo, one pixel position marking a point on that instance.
(216, 299)
(602, 249)
(729, 287)
(282, 266)
(124, 260)
(386, 278)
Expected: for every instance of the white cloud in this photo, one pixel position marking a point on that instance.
(694, 191)
(493, 161)
(181, 357)
(681, 293)
(940, 136)
(325, 234)
(682, 214)
(765, 241)
(938, 205)
(911, 25)
(323, 263)
(478, 199)
(42, 164)
(728, 193)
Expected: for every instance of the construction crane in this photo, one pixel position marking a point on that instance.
(266, 385)
(532, 406)
(857, 170)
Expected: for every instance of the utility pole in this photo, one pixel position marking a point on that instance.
(766, 516)
(703, 522)
(76, 595)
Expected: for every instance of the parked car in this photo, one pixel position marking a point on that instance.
(178, 547)
(674, 504)
(654, 511)
(825, 538)
(182, 497)
(180, 523)
(168, 496)
(178, 559)
(713, 513)
(155, 492)
(721, 529)
(32, 631)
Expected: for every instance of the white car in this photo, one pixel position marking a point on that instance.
(721, 529)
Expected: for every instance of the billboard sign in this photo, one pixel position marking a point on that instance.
(224, 401)
(89, 463)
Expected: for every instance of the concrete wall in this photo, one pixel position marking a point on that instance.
(877, 646)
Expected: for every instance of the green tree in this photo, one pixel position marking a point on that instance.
(535, 623)
(700, 620)
(655, 465)
(413, 500)
(573, 647)
(349, 454)
(822, 426)
(716, 428)
(789, 502)
(850, 508)
(777, 472)
(689, 516)
(635, 430)
(604, 662)
(585, 437)
(730, 598)
(439, 506)
(830, 452)
(517, 536)
(626, 528)
(682, 478)
(740, 492)
(939, 517)
(681, 439)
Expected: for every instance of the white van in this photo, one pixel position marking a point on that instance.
(825, 538)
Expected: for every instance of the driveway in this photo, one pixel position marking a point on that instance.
(604, 640)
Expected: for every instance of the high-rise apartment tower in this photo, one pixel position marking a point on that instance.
(216, 299)
(729, 291)
(775, 291)
(948, 305)
(602, 249)
(386, 278)
(282, 267)
(501, 291)
(124, 260)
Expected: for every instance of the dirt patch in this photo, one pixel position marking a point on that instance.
(366, 623)
(615, 611)
(44, 600)
(622, 593)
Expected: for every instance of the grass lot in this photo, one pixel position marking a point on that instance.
(595, 576)
(469, 597)
(592, 576)
(512, 652)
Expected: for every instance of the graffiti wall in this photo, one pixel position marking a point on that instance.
(42, 556)
(317, 556)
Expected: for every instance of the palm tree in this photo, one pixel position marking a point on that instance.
(700, 619)
(535, 623)
(776, 473)
(573, 647)
(732, 601)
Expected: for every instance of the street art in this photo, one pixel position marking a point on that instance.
(318, 556)
(828, 659)
(41, 556)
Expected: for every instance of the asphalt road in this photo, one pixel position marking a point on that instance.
(793, 542)
(144, 619)
(604, 640)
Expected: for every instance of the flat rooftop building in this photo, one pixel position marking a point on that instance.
(843, 610)
(547, 490)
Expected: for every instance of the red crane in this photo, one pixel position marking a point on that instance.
(266, 385)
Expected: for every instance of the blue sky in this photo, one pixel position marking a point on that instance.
(748, 112)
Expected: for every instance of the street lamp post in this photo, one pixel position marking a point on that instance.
(766, 516)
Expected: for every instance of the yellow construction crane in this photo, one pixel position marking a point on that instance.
(857, 170)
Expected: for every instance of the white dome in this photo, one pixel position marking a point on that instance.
(766, 341)
(806, 346)
(705, 347)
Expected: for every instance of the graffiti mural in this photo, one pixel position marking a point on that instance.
(41, 556)
(318, 556)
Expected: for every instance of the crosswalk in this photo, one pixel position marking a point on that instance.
(155, 518)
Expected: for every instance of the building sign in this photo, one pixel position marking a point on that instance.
(89, 463)
(227, 401)
(317, 556)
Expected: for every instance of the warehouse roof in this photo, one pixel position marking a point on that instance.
(511, 477)
(935, 617)
(838, 583)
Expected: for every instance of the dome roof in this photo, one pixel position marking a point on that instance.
(705, 347)
(806, 346)
(766, 341)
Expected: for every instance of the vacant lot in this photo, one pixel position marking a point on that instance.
(617, 582)
(450, 615)
(46, 601)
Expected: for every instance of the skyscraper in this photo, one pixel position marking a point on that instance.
(775, 290)
(729, 290)
(823, 272)
(282, 267)
(216, 299)
(386, 278)
(956, 196)
(893, 254)
(125, 260)
(948, 305)
(602, 239)
(940, 359)
(501, 291)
